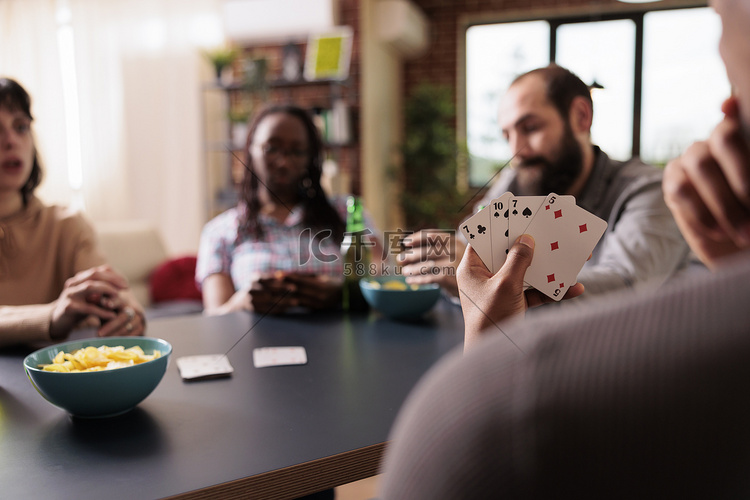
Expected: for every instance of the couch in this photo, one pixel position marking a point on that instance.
(162, 283)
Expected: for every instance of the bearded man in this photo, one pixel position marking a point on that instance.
(546, 116)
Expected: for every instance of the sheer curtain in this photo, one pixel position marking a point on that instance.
(138, 73)
(29, 55)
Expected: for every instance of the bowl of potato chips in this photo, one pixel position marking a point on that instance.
(397, 299)
(100, 377)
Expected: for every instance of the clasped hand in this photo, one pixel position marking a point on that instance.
(281, 291)
(98, 292)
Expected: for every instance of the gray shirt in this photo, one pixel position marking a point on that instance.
(642, 242)
(628, 396)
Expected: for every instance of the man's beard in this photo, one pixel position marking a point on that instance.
(538, 176)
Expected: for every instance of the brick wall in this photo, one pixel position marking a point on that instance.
(316, 95)
(439, 65)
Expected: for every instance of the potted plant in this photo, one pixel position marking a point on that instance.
(221, 58)
(254, 75)
(239, 123)
(430, 198)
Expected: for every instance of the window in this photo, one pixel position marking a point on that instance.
(494, 57)
(587, 50)
(684, 81)
(661, 71)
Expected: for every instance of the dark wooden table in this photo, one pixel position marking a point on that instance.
(277, 432)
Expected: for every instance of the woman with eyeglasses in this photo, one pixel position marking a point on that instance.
(53, 275)
(278, 249)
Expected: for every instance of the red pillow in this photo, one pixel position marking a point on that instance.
(174, 279)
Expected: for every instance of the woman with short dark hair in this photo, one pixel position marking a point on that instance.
(53, 275)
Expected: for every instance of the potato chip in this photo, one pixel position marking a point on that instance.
(394, 285)
(104, 357)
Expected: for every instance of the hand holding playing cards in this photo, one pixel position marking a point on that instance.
(271, 294)
(487, 299)
(708, 190)
(564, 233)
(281, 291)
(314, 291)
(431, 256)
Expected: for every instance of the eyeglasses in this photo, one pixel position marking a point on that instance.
(272, 153)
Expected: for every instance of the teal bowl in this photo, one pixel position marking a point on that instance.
(103, 393)
(396, 299)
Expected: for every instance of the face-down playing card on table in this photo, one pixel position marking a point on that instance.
(564, 235)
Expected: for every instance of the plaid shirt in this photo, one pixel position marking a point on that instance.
(286, 246)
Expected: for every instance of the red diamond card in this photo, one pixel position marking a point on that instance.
(565, 235)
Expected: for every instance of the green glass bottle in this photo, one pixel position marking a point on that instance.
(356, 256)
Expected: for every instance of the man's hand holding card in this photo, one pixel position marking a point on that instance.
(565, 235)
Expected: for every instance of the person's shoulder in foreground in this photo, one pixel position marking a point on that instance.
(640, 397)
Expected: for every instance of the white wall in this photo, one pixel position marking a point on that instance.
(381, 130)
(123, 89)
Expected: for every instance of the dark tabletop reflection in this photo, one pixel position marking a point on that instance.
(133, 435)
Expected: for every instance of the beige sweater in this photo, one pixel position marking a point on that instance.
(40, 248)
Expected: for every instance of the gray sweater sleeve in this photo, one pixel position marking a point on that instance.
(633, 396)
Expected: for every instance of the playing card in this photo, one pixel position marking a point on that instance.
(565, 235)
(204, 366)
(523, 209)
(499, 213)
(476, 229)
(279, 356)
